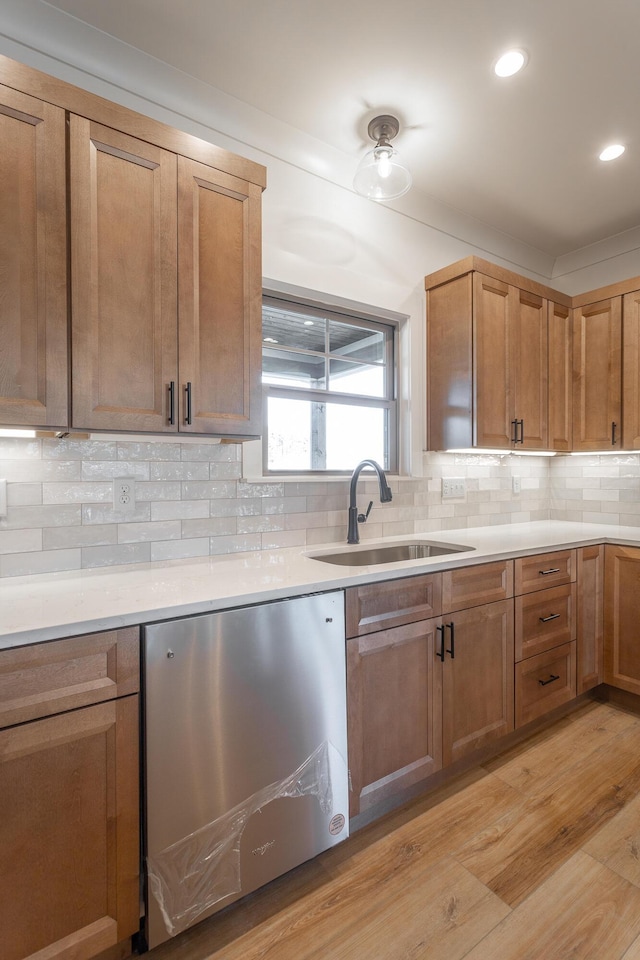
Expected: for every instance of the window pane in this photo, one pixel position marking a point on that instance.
(308, 435)
(291, 329)
(290, 369)
(356, 343)
(345, 377)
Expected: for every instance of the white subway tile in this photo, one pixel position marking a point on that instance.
(98, 492)
(49, 561)
(179, 510)
(180, 549)
(215, 527)
(56, 538)
(140, 532)
(179, 470)
(58, 515)
(20, 541)
(108, 469)
(115, 555)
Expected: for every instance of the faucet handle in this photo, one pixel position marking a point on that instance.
(362, 517)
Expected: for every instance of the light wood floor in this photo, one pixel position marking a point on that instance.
(534, 855)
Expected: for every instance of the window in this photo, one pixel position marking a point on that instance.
(329, 380)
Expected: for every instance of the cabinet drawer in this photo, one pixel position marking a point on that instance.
(471, 586)
(545, 619)
(48, 678)
(544, 570)
(380, 606)
(544, 682)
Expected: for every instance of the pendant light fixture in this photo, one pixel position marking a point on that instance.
(382, 174)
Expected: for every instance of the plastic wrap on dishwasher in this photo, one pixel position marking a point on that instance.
(193, 874)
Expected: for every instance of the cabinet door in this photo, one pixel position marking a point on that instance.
(394, 711)
(69, 884)
(560, 377)
(622, 618)
(477, 695)
(631, 370)
(590, 670)
(492, 330)
(33, 263)
(220, 297)
(529, 369)
(123, 248)
(597, 375)
(545, 682)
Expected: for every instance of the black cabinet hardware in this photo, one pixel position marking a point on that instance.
(187, 416)
(440, 652)
(613, 433)
(553, 677)
(545, 573)
(172, 402)
(451, 649)
(552, 616)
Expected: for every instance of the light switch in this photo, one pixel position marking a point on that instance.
(3, 498)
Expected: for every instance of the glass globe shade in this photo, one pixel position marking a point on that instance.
(382, 174)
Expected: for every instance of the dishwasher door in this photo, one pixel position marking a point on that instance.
(246, 752)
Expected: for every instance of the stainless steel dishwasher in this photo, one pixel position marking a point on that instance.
(246, 752)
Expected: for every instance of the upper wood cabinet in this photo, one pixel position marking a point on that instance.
(164, 234)
(631, 370)
(33, 264)
(597, 340)
(488, 360)
(560, 369)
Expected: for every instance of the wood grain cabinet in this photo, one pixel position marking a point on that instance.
(590, 614)
(631, 370)
(489, 362)
(425, 691)
(69, 796)
(545, 633)
(164, 233)
(597, 345)
(33, 263)
(166, 290)
(622, 618)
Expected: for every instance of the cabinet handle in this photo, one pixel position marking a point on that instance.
(553, 677)
(545, 573)
(521, 440)
(187, 390)
(172, 402)
(552, 616)
(440, 652)
(451, 649)
(514, 435)
(613, 433)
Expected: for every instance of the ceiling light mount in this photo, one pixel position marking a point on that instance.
(382, 174)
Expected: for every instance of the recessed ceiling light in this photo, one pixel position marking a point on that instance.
(509, 63)
(612, 152)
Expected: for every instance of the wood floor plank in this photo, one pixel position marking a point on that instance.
(584, 912)
(535, 766)
(618, 843)
(633, 953)
(517, 853)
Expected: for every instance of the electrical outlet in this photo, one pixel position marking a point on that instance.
(3, 498)
(454, 488)
(124, 494)
(516, 484)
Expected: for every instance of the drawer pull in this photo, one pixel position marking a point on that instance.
(451, 649)
(440, 652)
(545, 573)
(553, 677)
(552, 616)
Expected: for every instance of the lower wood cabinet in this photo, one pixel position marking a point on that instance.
(427, 693)
(622, 618)
(69, 797)
(590, 618)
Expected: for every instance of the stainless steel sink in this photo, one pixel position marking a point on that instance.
(390, 553)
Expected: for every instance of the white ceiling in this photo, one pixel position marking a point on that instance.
(520, 154)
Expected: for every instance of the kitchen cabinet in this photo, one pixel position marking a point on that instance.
(164, 233)
(69, 796)
(622, 618)
(597, 333)
(560, 378)
(545, 633)
(33, 265)
(631, 370)
(488, 359)
(166, 290)
(590, 614)
(423, 692)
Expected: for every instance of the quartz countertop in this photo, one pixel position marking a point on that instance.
(47, 606)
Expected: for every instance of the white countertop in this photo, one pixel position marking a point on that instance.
(48, 606)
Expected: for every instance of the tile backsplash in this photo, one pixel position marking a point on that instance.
(192, 500)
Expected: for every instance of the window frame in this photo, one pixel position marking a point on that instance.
(342, 311)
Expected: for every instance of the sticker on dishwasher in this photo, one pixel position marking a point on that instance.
(336, 825)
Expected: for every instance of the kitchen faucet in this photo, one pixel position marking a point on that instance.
(385, 496)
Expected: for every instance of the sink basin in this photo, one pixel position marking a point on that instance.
(390, 553)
